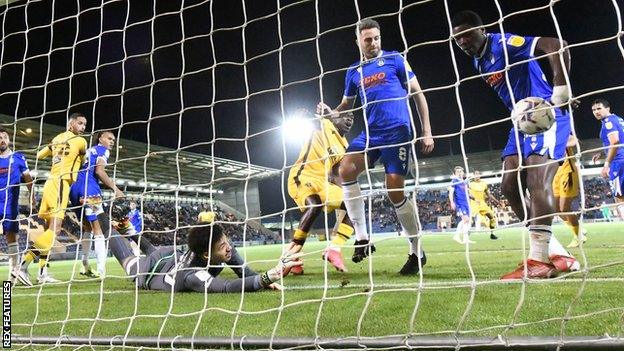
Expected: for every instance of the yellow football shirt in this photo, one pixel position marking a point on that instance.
(66, 150)
(206, 217)
(477, 191)
(325, 148)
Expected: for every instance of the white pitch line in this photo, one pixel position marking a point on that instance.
(457, 284)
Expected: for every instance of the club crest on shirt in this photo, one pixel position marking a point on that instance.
(516, 41)
(381, 62)
(608, 125)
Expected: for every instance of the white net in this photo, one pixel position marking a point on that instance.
(201, 97)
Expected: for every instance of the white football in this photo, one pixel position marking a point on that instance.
(533, 115)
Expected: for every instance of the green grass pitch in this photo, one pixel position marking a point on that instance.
(382, 302)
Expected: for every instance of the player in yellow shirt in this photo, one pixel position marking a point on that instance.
(206, 216)
(478, 193)
(67, 150)
(311, 185)
(566, 189)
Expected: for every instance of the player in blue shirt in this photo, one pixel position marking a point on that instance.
(383, 81)
(13, 173)
(611, 134)
(460, 203)
(136, 217)
(498, 56)
(86, 197)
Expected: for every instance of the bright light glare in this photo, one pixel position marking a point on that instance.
(297, 129)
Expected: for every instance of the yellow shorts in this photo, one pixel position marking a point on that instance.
(55, 199)
(482, 209)
(330, 194)
(565, 183)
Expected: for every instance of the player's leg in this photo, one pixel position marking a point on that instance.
(572, 220)
(85, 245)
(542, 207)
(10, 227)
(510, 186)
(343, 229)
(350, 168)
(48, 201)
(120, 248)
(312, 209)
(54, 228)
(396, 162)
(462, 234)
(489, 214)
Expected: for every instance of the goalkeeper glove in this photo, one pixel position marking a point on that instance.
(274, 274)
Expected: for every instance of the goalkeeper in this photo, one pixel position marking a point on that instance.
(196, 269)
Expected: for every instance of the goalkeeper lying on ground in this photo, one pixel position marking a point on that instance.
(195, 269)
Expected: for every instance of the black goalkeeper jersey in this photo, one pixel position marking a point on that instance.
(174, 270)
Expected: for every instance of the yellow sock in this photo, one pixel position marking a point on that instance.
(29, 257)
(575, 229)
(343, 234)
(300, 236)
(44, 245)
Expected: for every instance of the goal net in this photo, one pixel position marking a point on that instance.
(205, 101)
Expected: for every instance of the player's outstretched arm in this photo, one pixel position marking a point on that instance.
(100, 172)
(237, 263)
(345, 104)
(422, 108)
(44, 153)
(548, 45)
(202, 281)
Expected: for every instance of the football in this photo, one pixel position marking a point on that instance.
(533, 115)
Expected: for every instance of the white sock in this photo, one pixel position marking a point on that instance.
(100, 252)
(460, 230)
(407, 217)
(555, 248)
(355, 208)
(85, 244)
(620, 209)
(540, 237)
(13, 251)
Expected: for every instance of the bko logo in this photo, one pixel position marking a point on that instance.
(402, 153)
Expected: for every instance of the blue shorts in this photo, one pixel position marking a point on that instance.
(9, 222)
(395, 158)
(616, 178)
(462, 210)
(551, 143)
(86, 200)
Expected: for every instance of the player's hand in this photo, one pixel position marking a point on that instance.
(292, 248)
(427, 143)
(596, 157)
(119, 194)
(276, 287)
(323, 109)
(453, 207)
(275, 273)
(605, 172)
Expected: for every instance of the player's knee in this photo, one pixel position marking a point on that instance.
(510, 189)
(347, 171)
(396, 196)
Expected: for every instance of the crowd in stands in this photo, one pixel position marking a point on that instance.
(160, 220)
(434, 203)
